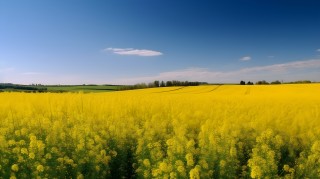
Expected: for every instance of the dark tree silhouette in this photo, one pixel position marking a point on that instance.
(156, 83)
(162, 84)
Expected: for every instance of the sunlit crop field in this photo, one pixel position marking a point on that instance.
(227, 131)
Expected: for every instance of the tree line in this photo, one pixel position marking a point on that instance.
(4, 86)
(157, 84)
(264, 82)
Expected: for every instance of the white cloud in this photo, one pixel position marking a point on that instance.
(245, 58)
(131, 51)
(286, 71)
(318, 50)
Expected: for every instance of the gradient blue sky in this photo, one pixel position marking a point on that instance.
(131, 41)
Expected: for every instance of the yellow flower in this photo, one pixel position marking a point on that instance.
(16, 150)
(286, 168)
(189, 158)
(103, 152)
(291, 170)
(163, 166)
(181, 169)
(204, 164)
(32, 155)
(24, 151)
(146, 163)
(256, 172)
(24, 131)
(15, 167)
(97, 168)
(70, 162)
(223, 163)
(156, 172)
(60, 159)
(146, 174)
(113, 153)
(40, 168)
(173, 175)
(195, 173)
(20, 159)
(54, 150)
(11, 142)
(80, 176)
(48, 156)
(179, 163)
(33, 137)
(233, 152)
(190, 143)
(17, 133)
(80, 146)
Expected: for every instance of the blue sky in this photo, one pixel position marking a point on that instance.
(132, 41)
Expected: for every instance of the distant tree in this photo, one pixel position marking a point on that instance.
(242, 82)
(162, 84)
(277, 82)
(305, 81)
(140, 86)
(176, 83)
(156, 83)
(249, 83)
(151, 85)
(301, 82)
(169, 83)
(263, 82)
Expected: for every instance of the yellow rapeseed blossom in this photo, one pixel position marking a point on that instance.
(80, 176)
(11, 142)
(32, 155)
(195, 173)
(146, 163)
(48, 156)
(15, 167)
(256, 172)
(209, 131)
(97, 168)
(40, 168)
(163, 167)
(181, 169)
(286, 168)
(189, 158)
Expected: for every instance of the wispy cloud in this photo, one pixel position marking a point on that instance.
(32, 73)
(245, 58)
(4, 70)
(318, 50)
(132, 51)
(314, 63)
(284, 71)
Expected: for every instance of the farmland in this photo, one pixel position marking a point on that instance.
(83, 88)
(58, 88)
(212, 131)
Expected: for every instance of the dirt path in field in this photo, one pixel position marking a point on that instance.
(171, 90)
(247, 91)
(214, 89)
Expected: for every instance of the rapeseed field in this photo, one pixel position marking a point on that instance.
(227, 131)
